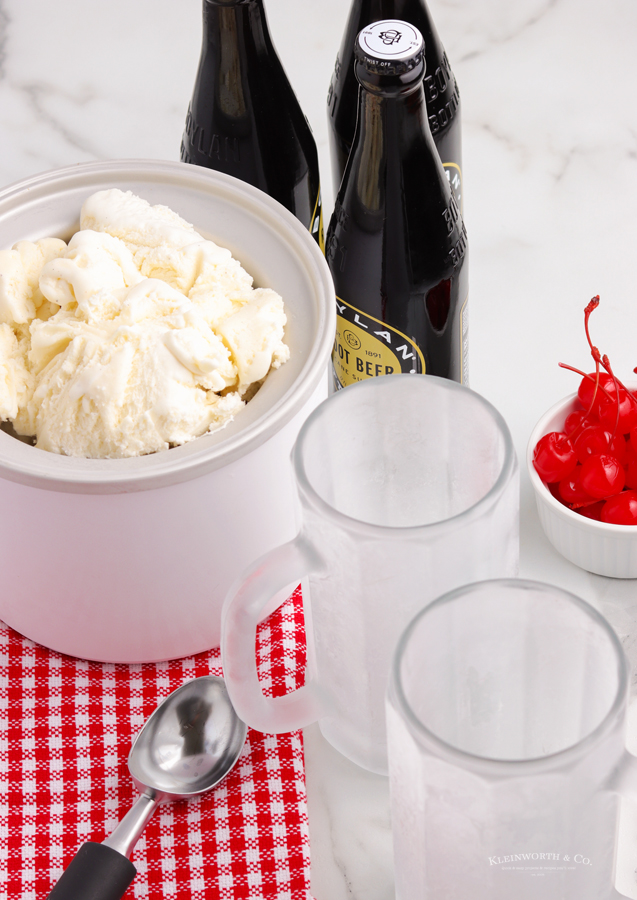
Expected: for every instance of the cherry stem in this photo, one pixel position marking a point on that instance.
(581, 425)
(606, 364)
(585, 375)
(594, 303)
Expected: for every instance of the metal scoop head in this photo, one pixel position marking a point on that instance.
(190, 743)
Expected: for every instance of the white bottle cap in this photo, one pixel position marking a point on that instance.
(391, 39)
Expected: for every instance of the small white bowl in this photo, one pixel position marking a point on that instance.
(595, 546)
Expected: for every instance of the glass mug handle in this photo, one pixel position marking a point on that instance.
(242, 611)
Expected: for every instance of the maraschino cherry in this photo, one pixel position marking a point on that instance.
(554, 457)
(591, 466)
(621, 509)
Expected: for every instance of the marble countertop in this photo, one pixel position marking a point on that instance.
(550, 176)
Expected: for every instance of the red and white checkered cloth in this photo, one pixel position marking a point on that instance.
(66, 727)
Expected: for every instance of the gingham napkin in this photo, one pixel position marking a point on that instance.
(66, 727)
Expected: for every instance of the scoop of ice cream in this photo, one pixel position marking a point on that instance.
(93, 275)
(158, 334)
(134, 384)
(135, 388)
(255, 336)
(164, 245)
(154, 305)
(16, 382)
(133, 220)
(20, 267)
(220, 288)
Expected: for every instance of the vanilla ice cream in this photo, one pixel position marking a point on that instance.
(137, 336)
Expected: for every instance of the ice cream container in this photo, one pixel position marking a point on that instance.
(129, 560)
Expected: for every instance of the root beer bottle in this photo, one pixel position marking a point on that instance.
(441, 90)
(244, 118)
(396, 244)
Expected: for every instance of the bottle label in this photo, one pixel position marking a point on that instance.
(454, 177)
(365, 347)
(316, 223)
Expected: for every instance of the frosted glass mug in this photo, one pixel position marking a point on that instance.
(408, 487)
(506, 716)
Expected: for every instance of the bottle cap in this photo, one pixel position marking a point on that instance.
(390, 47)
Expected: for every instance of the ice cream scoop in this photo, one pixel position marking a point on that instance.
(187, 746)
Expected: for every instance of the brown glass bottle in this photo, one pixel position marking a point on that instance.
(441, 90)
(396, 244)
(244, 118)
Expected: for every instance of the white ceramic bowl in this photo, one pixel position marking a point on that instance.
(595, 546)
(129, 560)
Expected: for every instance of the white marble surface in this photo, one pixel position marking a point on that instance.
(550, 160)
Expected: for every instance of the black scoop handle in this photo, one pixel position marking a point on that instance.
(96, 872)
